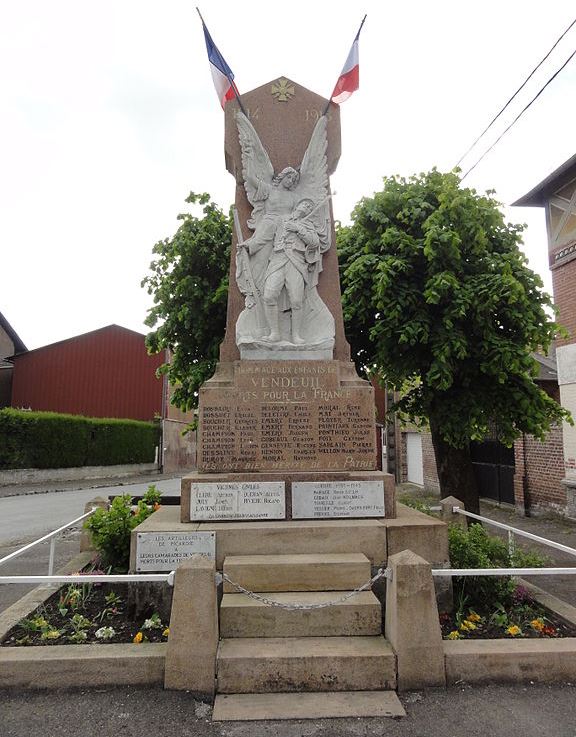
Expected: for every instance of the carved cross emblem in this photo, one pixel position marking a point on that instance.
(282, 90)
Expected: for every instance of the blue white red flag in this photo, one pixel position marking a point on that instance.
(222, 75)
(349, 79)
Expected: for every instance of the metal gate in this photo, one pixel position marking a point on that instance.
(494, 470)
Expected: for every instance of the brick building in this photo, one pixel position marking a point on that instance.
(557, 195)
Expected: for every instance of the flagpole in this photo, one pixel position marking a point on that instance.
(355, 39)
(232, 83)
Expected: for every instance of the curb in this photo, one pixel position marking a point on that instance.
(74, 666)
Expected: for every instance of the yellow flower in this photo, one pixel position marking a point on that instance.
(166, 632)
(537, 624)
(513, 630)
(470, 625)
(454, 635)
(473, 617)
(138, 637)
(51, 635)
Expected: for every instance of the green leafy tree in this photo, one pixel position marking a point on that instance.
(439, 302)
(189, 285)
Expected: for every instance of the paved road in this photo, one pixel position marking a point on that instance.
(463, 711)
(30, 516)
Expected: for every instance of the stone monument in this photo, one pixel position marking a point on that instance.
(286, 426)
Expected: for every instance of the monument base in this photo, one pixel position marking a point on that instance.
(377, 539)
(287, 495)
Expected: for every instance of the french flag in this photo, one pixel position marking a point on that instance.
(349, 79)
(222, 75)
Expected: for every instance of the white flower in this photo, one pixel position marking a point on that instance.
(105, 633)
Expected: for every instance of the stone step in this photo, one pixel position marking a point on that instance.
(326, 705)
(312, 572)
(360, 615)
(276, 664)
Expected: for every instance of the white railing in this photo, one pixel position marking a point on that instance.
(93, 578)
(502, 571)
(50, 536)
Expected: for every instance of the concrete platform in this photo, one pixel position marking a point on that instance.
(277, 665)
(251, 707)
(359, 616)
(326, 572)
(365, 536)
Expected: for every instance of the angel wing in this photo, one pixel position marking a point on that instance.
(313, 182)
(314, 169)
(257, 169)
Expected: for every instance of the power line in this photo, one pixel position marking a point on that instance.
(495, 118)
(520, 114)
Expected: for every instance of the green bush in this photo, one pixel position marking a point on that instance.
(110, 528)
(475, 548)
(51, 440)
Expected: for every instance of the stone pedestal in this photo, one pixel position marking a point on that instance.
(286, 439)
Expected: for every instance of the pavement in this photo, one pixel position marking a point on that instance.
(462, 711)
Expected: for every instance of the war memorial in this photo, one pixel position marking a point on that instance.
(287, 501)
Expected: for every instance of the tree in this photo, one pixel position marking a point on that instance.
(445, 310)
(189, 284)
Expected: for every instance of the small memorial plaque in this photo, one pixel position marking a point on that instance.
(238, 500)
(314, 499)
(163, 551)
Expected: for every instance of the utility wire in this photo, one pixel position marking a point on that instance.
(520, 114)
(524, 83)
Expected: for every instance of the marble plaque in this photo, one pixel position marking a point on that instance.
(237, 500)
(315, 499)
(286, 415)
(159, 552)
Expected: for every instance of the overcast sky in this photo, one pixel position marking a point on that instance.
(108, 118)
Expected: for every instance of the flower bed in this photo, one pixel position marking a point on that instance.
(522, 618)
(84, 614)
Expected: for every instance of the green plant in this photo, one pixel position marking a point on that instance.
(53, 440)
(440, 304)
(475, 548)
(111, 528)
(152, 495)
(74, 597)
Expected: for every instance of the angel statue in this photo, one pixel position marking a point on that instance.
(277, 267)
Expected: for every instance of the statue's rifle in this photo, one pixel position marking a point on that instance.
(242, 253)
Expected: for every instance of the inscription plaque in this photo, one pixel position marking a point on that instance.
(313, 499)
(163, 551)
(238, 500)
(286, 415)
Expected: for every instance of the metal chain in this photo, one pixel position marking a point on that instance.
(381, 573)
